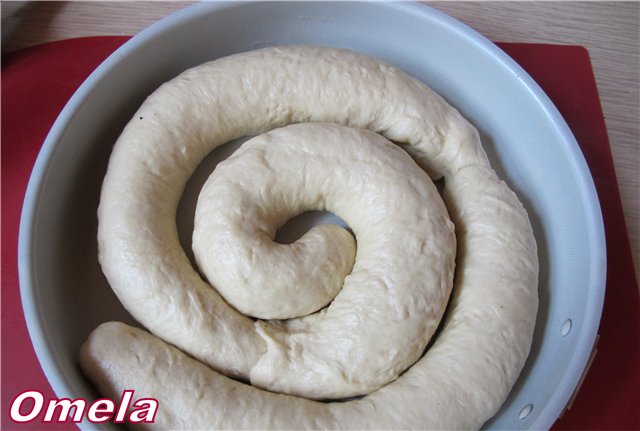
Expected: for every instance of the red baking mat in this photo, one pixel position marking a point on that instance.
(38, 81)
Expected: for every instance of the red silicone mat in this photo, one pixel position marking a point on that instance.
(38, 81)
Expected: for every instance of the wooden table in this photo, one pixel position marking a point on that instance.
(609, 30)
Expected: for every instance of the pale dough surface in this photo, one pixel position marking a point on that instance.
(393, 298)
(266, 182)
(466, 373)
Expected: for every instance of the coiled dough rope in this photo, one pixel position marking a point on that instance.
(466, 373)
(391, 301)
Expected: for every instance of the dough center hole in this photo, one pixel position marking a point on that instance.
(297, 226)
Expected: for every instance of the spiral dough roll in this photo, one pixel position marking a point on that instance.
(321, 318)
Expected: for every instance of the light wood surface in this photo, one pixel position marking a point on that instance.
(609, 30)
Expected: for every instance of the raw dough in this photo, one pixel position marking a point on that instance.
(464, 376)
(392, 300)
